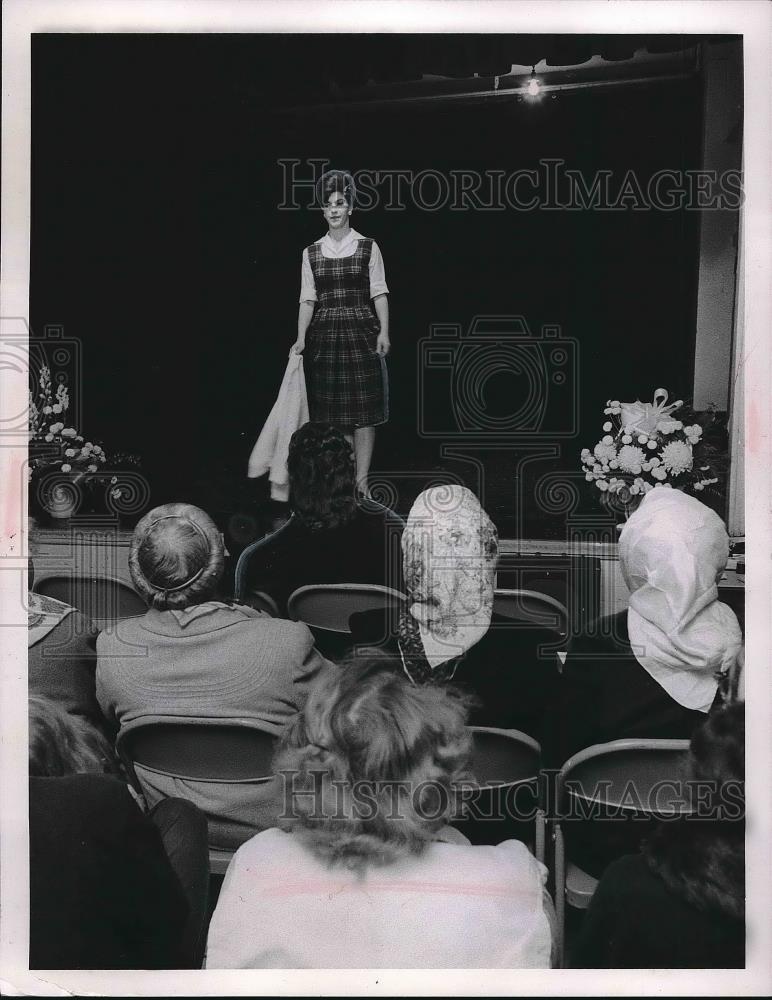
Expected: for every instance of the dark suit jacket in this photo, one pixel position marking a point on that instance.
(511, 680)
(636, 922)
(605, 694)
(103, 894)
(367, 550)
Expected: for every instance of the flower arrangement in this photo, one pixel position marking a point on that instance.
(53, 445)
(646, 445)
(63, 466)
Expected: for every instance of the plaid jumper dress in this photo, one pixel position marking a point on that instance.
(346, 380)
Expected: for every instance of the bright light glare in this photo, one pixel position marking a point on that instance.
(534, 87)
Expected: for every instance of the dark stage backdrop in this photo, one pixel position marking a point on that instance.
(158, 242)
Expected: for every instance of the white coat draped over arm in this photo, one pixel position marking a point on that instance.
(290, 411)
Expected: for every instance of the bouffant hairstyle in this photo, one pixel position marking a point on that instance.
(61, 744)
(177, 556)
(702, 857)
(373, 764)
(322, 476)
(336, 182)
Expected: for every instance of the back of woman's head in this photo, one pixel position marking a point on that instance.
(717, 748)
(322, 476)
(61, 744)
(701, 857)
(374, 762)
(177, 556)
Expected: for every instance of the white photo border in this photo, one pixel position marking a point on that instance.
(753, 21)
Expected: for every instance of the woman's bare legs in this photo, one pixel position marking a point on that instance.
(364, 441)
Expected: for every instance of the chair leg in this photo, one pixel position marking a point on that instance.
(560, 893)
(539, 835)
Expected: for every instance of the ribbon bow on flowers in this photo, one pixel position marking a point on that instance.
(645, 417)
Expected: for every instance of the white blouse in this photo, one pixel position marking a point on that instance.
(343, 248)
(455, 906)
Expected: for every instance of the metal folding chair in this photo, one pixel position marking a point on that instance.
(531, 606)
(247, 555)
(226, 751)
(506, 800)
(326, 608)
(623, 781)
(103, 599)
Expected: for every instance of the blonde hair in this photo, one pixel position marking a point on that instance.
(372, 764)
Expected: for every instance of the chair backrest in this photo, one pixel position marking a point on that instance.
(531, 606)
(626, 777)
(102, 599)
(221, 750)
(504, 756)
(248, 554)
(260, 601)
(502, 805)
(328, 606)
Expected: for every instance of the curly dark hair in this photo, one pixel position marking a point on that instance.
(322, 476)
(702, 859)
(336, 182)
(382, 759)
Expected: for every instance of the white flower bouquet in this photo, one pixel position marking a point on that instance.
(53, 444)
(68, 474)
(646, 445)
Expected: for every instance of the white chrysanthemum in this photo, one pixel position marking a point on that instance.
(677, 457)
(630, 458)
(604, 452)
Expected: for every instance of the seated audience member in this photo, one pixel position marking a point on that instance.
(110, 888)
(367, 873)
(61, 655)
(52, 728)
(448, 631)
(333, 535)
(193, 655)
(652, 670)
(680, 904)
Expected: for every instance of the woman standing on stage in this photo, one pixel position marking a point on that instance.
(343, 325)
